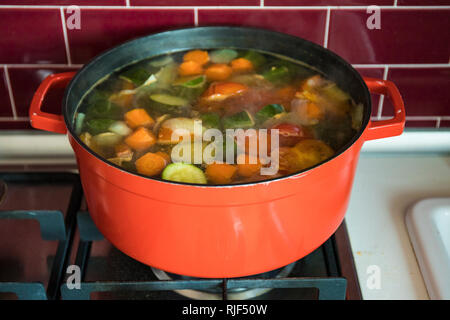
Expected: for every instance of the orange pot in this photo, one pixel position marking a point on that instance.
(218, 231)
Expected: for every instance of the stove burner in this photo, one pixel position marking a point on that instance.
(232, 294)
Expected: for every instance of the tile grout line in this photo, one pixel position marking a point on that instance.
(228, 7)
(10, 92)
(416, 118)
(43, 65)
(438, 122)
(66, 38)
(5, 119)
(127, 3)
(380, 103)
(405, 66)
(261, 3)
(327, 28)
(196, 17)
(395, 3)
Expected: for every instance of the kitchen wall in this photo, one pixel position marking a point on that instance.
(408, 42)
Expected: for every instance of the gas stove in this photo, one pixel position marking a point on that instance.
(51, 249)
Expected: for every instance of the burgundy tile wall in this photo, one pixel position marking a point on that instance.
(195, 2)
(406, 36)
(308, 24)
(424, 91)
(423, 2)
(31, 36)
(413, 42)
(66, 2)
(5, 101)
(103, 29)
(327, 2)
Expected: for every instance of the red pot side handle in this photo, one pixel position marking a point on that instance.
(391, 127)
(44, 120)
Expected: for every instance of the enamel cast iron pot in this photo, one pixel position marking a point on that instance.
(218, 231)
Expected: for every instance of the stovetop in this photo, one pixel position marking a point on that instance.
(51, 249)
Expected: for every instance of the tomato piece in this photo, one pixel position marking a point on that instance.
(290, 134)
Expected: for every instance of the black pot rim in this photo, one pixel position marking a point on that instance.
(100, 57)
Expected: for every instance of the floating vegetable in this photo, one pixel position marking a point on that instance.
(97, 126)
(120, 127)
(223, 55)
(241, 65)
(151, 164)
(183, 172)
(220, 173)
(218, 72)
(269, 111)
(241, 120)
(210, 120)
(256, 58)
(199, 56)
(138, 118)
(141, 139)
(107, 139)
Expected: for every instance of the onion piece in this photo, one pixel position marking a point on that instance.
(120, 128)
(107, 139)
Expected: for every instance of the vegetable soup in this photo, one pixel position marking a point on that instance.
(220, 116)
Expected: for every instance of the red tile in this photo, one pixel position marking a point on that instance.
(195, 2)
(327, 2)
(424, 91)
(5, 102)
(24, 83)
(423, 2)
(104, 29)
(308, 24)
(31, 36)
(66, 2)
(15, 125)
(372, 73)
(406, 36)
(420, 123)
(444, 124)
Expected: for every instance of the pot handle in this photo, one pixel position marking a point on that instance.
(44, 120)
(391, 127)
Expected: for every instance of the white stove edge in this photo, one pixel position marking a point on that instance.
(392, 175)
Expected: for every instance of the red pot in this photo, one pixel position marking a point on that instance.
(218, 231)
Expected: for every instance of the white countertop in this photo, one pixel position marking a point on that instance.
(392, 175)
(385, 187)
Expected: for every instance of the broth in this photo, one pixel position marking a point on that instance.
(221, 116)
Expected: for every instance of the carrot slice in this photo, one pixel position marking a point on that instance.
(247, 166)
(150, 164)
(218, 72)
(141, 139)
(190, 68)
(199, 56)
(222, 90)
(165, 156)
(241, 65)
(137, 118)
(220, 173)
